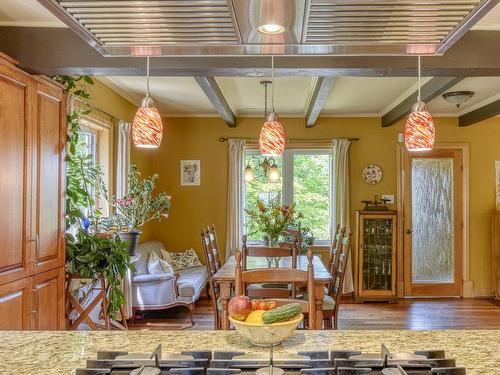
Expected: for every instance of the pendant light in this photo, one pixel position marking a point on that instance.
(419, 131)
(272, 135)
(147, 128)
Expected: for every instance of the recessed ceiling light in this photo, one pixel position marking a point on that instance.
(270, 28)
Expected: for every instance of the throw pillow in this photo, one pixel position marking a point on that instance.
(181, 260)
(158, 265)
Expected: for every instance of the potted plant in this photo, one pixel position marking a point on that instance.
(138, 207)
(89, 253)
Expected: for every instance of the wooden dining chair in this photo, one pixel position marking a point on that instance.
(333, 247)
(333, 261)
(296, 234)
(331, 301)
(214, 246)
(244, 278)
(212, 268)
(270, 290)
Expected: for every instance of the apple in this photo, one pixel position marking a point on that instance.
(239, 307)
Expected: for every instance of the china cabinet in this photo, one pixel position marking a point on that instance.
(376, 255)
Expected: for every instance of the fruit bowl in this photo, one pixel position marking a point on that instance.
(267, 334)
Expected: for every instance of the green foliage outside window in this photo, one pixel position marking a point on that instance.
(311, 191)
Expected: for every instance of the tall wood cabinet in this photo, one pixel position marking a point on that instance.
(376, 255)
(33, 131)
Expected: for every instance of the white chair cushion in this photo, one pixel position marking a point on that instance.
(157, 265)
(181, 260)
(191, 281)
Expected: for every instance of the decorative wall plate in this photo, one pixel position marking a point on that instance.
(372, 174)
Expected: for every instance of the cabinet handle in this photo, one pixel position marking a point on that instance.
(409, 231)
(35, 312)
(37, 245)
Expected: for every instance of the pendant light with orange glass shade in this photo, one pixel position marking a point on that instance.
(147, 128)
(272, 134)
(419, 131)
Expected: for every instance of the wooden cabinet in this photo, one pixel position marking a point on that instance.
(15, 173)
(376, 255)
(15, 305)
(47, 300)
(48, 146)
(33, 123)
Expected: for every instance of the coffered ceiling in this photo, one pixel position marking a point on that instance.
(348, 95)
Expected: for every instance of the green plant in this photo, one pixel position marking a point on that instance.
(272, 219)
(87, 253)
(140, 206)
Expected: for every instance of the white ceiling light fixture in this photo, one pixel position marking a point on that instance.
(457, 97)
(271, 29)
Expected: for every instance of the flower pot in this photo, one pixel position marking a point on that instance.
(132, 238)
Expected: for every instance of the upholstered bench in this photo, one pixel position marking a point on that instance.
(160, 291)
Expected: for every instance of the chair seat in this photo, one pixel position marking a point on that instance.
(328, 302)
(191, 281)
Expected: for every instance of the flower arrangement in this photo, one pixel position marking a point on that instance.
(273, 219)
(139, 206)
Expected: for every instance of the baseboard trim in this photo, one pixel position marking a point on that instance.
(483, 293)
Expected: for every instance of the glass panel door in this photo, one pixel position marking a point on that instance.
(433, 223)
(432, 220)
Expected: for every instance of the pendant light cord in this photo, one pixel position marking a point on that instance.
(419, 79)
(265, 101)
(147, 76)
(272, 83)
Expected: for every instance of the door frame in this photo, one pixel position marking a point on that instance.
(467, 287)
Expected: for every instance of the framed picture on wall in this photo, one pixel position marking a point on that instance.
(190, 173)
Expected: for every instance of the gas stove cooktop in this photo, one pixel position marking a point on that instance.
(336, 362)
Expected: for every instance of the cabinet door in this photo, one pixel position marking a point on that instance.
(14, 305)
(16, 89)
(47, 300)
(48, 147)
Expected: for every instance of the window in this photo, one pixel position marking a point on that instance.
(96, 140)
(306, 181)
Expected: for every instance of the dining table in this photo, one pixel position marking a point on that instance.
(225, 277)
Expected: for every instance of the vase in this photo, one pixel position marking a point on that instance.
(273, 241)
(132, 238)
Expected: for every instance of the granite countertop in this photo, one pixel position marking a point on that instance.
(62, 352)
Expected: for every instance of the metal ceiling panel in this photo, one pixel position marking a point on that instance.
(230, 27)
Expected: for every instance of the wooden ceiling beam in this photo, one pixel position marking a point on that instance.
(54, 51)
(214, 94)
(483, 113)
(321, 89)
(430, 90)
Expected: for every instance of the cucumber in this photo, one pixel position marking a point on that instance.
(282, 314)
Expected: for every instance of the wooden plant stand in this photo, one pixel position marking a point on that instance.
(84, 307)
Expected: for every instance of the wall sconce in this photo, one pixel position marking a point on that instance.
(268, 166)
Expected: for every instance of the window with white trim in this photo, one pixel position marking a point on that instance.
(96, 139)
(306, 180)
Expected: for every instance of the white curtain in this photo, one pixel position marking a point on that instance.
(340, 209)
(122, 159)
(121, 189)
(235, 186)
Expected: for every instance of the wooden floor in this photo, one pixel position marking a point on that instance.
(406, 314)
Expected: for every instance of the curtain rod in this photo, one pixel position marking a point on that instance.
(288, 140)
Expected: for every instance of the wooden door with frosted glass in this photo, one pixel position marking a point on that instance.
(433, 223)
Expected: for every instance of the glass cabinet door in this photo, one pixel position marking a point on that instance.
(377, 254)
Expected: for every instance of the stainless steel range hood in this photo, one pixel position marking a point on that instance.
(310, 27)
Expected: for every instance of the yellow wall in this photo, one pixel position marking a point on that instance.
(197, 138)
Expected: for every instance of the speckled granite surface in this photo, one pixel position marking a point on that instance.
(62, 352)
